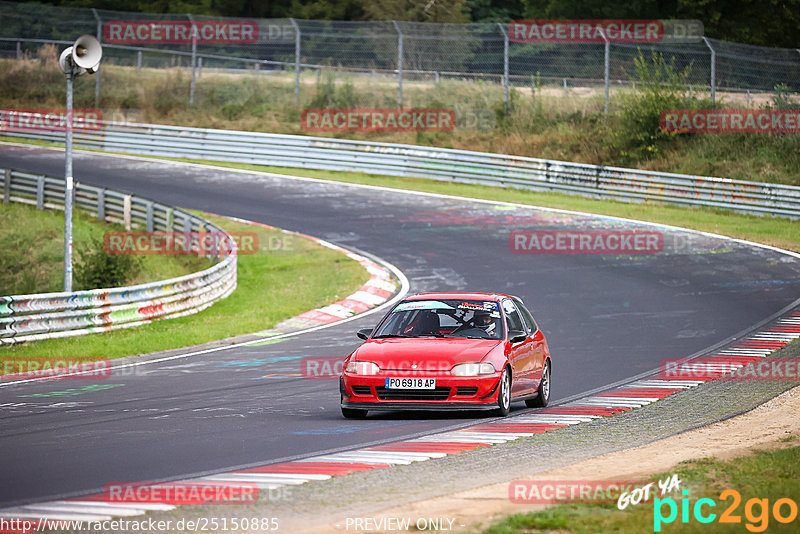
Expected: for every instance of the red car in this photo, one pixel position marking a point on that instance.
(448, 351)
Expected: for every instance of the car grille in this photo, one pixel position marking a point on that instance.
(471, 390)
(440, 393)
(362, 390)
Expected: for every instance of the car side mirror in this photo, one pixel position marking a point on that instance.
(364, 333)
(517, 336)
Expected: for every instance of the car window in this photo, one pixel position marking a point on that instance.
(512, 316)
(447, 318)
(526, 317)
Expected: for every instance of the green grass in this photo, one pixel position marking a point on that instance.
(274, 284)
(32, 242)
(539, 122)
(765, 475)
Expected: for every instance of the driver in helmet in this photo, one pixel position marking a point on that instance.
(484, 321)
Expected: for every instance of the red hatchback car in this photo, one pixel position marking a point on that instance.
(448, 351)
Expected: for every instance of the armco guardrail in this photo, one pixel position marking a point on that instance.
(629, 185)
(51, 315)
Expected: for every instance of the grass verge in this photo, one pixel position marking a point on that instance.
(540, 120)
(274, 284)
(32, 242)
(761, 480)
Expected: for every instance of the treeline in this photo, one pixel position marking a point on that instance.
(761, 22)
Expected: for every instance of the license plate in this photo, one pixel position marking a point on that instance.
(410, 383)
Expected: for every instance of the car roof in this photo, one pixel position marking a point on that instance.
(456, 295)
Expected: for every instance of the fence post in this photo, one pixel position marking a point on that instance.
(505, 64)
(19, 50)
(713, 71)
(200, 67)
(99, 71)
(194, 59)
(139, 60)
(7, 186)
(399, 64)
(296, 61)
(606, 68)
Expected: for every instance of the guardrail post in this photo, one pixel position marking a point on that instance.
(126, 212)
(19, 50)
(7, 186)
(40, 192)
(169, 220)
(194, 59)
(296, 61)
(101, 204)
(505, 64)
(713, 71)
(139, 60)
(99, 71)
(399, 64)
(149, 217)
(187, 229)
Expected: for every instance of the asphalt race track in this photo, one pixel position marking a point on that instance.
(607, 317)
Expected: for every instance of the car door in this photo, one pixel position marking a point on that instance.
(538, 344)
(520, 353)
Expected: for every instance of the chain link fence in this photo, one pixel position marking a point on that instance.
(407, 51)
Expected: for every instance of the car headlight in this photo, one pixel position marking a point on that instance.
(362, 368)
(472, 369)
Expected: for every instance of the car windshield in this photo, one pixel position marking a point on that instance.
(478, 319)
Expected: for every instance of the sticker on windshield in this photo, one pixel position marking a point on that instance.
(489, 305)
(495, 314)
(422, 305)
(471, 306)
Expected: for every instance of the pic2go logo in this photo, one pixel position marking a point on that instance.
(756, 511)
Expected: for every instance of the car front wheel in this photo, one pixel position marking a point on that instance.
(504, 394)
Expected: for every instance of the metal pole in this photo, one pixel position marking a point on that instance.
(505, 65)
(607, 68)
(296, 61)
(399, 64)
(194, 59)
(139, 60)
(68, 188)
(100, 40)
(19, 50)
(713, 71)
